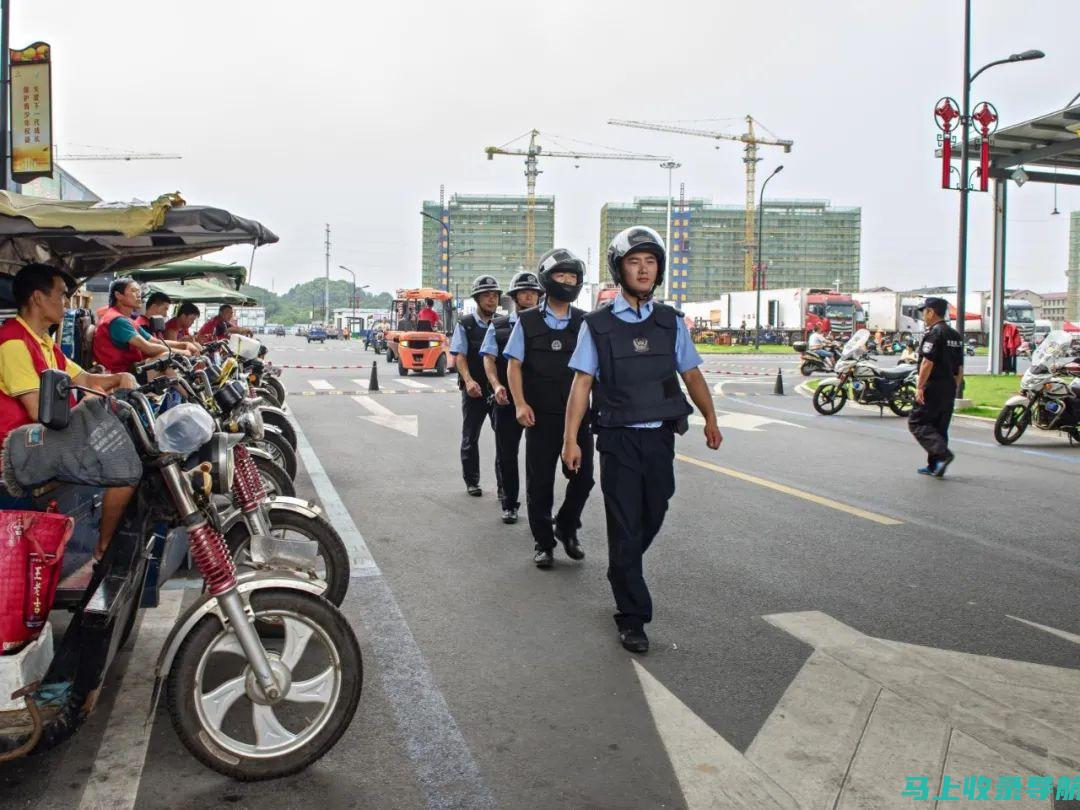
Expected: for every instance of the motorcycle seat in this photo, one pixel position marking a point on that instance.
(898, 373)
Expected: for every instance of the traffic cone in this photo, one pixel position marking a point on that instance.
(778, 387)
(373, 383)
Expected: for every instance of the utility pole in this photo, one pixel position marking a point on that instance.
(965, 121)
(670, 165)
(5, 85)
(326, 297)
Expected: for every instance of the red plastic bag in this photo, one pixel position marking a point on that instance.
(31, 550)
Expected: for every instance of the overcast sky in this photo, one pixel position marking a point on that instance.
(299, 114)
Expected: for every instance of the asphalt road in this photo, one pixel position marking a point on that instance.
(490, 683)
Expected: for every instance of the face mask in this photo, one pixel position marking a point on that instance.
(563, 292)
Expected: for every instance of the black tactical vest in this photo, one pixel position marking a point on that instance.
(503, 328)
(474, 336)
(638, 379)
(545, 373)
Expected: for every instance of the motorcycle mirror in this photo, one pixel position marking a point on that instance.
(54, 399)
(157, 325)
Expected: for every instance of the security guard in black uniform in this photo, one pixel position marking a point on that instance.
(525, 291)
(629, 355)
(941, 371)
(476, 403)
(538, 353)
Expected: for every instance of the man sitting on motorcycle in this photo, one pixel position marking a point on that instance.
(220, 326)
(118, 342)
(26, 351)
(179, 328)
(817, 345)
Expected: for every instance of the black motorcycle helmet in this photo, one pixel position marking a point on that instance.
(484, 284)
(633, 240)
(561, 260)
(524, 281)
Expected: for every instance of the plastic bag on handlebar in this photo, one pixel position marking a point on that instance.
(183, 429)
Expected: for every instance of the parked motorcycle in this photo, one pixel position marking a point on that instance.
(858, 377)
(1047, 399)
(256, 507)
(261, 674)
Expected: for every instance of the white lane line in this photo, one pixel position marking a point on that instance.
(1065, 634)
(409, 383)
(445, 770)
(361, 562)
(409, 424)
(118, 766)
(320, 385)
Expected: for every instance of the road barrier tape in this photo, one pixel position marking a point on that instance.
(739, 373)
(319, 367)
(365, 392)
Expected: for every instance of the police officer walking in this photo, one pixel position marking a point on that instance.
(476, 405)
(525, 291)
(538, 353)
(629, 355)
(941, 371)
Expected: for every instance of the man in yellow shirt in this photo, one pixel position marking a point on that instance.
(27, 350)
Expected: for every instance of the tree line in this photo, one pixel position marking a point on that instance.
(297, 305)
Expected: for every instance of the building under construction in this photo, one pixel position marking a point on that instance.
(1072, 303)
(487, 235)
(807, 243)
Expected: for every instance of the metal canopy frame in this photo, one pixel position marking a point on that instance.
(1050, 144)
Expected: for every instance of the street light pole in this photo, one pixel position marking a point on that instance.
(757, 276)
(965, 123)
(670, 165)
(352, 299)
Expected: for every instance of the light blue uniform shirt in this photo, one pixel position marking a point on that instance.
(515, 346)
(587, 361)
(459, 344)
(490, 346)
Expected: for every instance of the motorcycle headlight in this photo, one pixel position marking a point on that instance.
(251, 423)
(219, 455)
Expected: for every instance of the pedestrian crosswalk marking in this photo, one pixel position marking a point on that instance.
(409, 383)
(321, 385)
(796, 493)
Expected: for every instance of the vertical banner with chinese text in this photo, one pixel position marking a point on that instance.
(31, 112)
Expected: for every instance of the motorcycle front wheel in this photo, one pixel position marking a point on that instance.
(274, 478)
(904, 400)
(274, 443)
(829, 398)
(277, 386)
(282, 423)
(807, 368)
(332, 562)
(1010, 424)
(268, 396)
(218, 709)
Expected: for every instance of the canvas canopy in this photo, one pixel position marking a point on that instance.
(200, 291)
(88, 239)
(228, 274)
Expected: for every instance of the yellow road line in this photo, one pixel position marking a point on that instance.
(797, 493)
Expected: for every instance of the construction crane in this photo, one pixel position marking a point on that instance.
(750, 158)
(531, 156)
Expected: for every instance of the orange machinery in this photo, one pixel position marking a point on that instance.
(414, 349)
